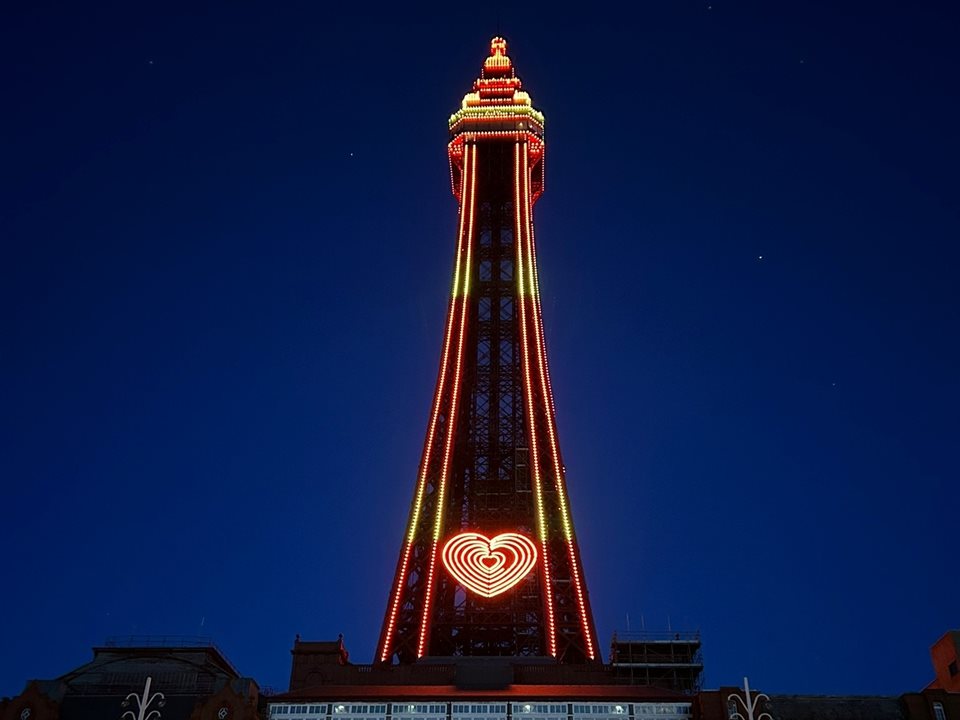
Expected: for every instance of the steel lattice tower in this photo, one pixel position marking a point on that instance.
(490, 564)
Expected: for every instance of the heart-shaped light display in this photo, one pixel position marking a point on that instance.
(489, 566)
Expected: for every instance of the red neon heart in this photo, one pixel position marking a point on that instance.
(489, 566)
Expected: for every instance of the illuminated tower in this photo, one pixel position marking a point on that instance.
(489, 563)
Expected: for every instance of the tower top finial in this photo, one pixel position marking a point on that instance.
(497, 103)
(498, 60)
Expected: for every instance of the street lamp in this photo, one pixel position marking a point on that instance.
(749, 706)
(144, 703)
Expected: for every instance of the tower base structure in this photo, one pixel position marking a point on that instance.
(324, 686)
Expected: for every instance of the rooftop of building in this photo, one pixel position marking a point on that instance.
(439, 692)
(178, 665)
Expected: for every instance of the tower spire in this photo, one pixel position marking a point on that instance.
(489, 564)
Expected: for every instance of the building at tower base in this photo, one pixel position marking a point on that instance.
(179, 678)
(945, 655)
(659, 659)
(199, 683)
(326, 686)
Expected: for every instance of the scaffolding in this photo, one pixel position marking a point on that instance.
(670, 660)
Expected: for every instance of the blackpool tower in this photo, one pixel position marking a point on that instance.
(489, 564)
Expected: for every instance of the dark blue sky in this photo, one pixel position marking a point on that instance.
(227, 243)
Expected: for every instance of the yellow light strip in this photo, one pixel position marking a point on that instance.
(425, 462)
(535, 292)
(451, 416)
(443, 375)
(548, 400)
(496, 111)
(448, 444)
(531, 416)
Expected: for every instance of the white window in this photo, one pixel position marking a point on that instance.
(419, 711)
(539, 711)
(663, 711)
(479, 711)
(938, 711)
(613, 711)
(353, 711)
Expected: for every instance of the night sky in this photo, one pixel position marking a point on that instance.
(227, 243)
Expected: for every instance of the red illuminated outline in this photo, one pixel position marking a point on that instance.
(498, 55)
(496, 94)
(548, 401)
(385, 646)
(489, 566)
(452, 413)
(497, 109)
(519, 149)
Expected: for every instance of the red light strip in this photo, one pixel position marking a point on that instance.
(428, 445)
(532, 128)
(506, 134)
(455, 153)
(502, 117)
(531, 416)
(548, 398)
(451, 419)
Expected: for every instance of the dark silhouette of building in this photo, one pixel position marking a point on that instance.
(924, 705)
(660, 659)
(189, 679)
(945, 654)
